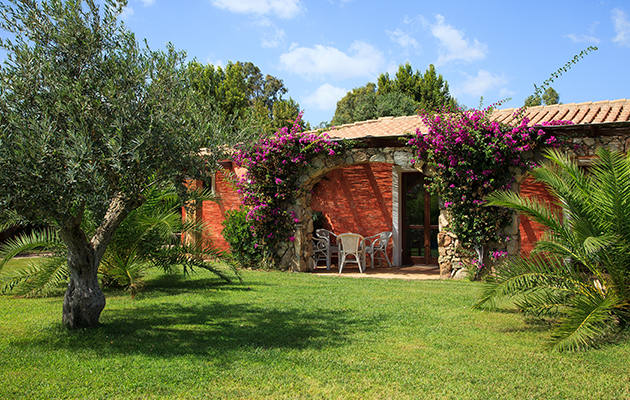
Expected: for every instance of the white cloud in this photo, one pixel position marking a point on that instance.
(622, 27)
(216, 63)
(482, 83)
(505, 92)
(453, 44)
(148, 2)
(365, 61)
(583, 38)
(127, 12)
(270, 40)
(273, 41)
(282, 8)
(402, 39)
(325, 97)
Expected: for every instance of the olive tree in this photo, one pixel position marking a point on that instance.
(88, 120)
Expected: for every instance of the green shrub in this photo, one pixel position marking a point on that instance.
(238, 233)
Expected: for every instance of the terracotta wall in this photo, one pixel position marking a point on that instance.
(213, 213)
(356, 199)
(532, 231)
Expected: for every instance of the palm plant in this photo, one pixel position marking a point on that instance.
(579, 273)
(149, 237)
(42, 275)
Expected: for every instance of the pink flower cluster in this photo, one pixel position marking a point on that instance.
(472, 156)
(273, 166)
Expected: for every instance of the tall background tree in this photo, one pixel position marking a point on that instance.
(240, 92)
(88, 121)
(549, 97)
(405, 94)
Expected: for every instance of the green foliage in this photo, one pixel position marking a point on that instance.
(472, 157)
(550, 97)
(532, 101)
(154, 235)
(580, 273)
(150, 237)
(357, 105)
(430, 90)
(284, 112)
(270, 186)
(88, 121)
(407, 93)
(241, 94)
(318, 220)
(39, 276)
(238, 233)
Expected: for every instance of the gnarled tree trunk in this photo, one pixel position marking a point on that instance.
(84, 300)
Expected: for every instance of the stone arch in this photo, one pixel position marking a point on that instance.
(296, 255)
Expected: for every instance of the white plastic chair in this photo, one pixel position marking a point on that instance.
(378, 244)
(324, 245)
(351, 244)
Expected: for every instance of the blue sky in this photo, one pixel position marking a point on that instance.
(321, 49)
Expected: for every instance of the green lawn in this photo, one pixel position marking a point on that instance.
(284, 335)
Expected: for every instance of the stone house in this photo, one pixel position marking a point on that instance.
(373, 187)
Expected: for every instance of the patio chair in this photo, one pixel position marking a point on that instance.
(351, 244)
(324, 245)
(376, 247)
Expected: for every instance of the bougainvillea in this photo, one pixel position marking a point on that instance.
(270, 185)
(472, 157)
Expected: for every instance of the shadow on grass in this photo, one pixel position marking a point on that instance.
(214, 330)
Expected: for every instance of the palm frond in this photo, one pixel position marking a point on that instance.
(127, 269)
(196, 254)
(522, 276)
(585, 322)
(42, 240)
(581, 268)
(535, 209)
(41, 277)
(611, 194)
(543, 302)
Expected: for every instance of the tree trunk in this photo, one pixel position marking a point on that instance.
(84, 301)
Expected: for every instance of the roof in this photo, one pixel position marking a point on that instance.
(588, 113)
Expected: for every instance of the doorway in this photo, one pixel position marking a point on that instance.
(420, 214)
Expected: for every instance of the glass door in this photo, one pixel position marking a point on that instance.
(420, 221)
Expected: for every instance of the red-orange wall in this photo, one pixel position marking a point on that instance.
(213, 213)
(532, 231)
(356, 199)
(353, 199)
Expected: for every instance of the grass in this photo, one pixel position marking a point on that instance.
(283, 335)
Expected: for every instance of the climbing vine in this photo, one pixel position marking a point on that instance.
(472, 157)
(270, 185)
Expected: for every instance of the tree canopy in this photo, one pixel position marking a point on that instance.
(240, 92)
(549, 97)
(88, 120)
(405, 94)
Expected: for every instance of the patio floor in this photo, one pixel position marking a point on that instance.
(404, 272)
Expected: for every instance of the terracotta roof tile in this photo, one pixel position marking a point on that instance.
(614, 112)
(581, 113)
(601, 115)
